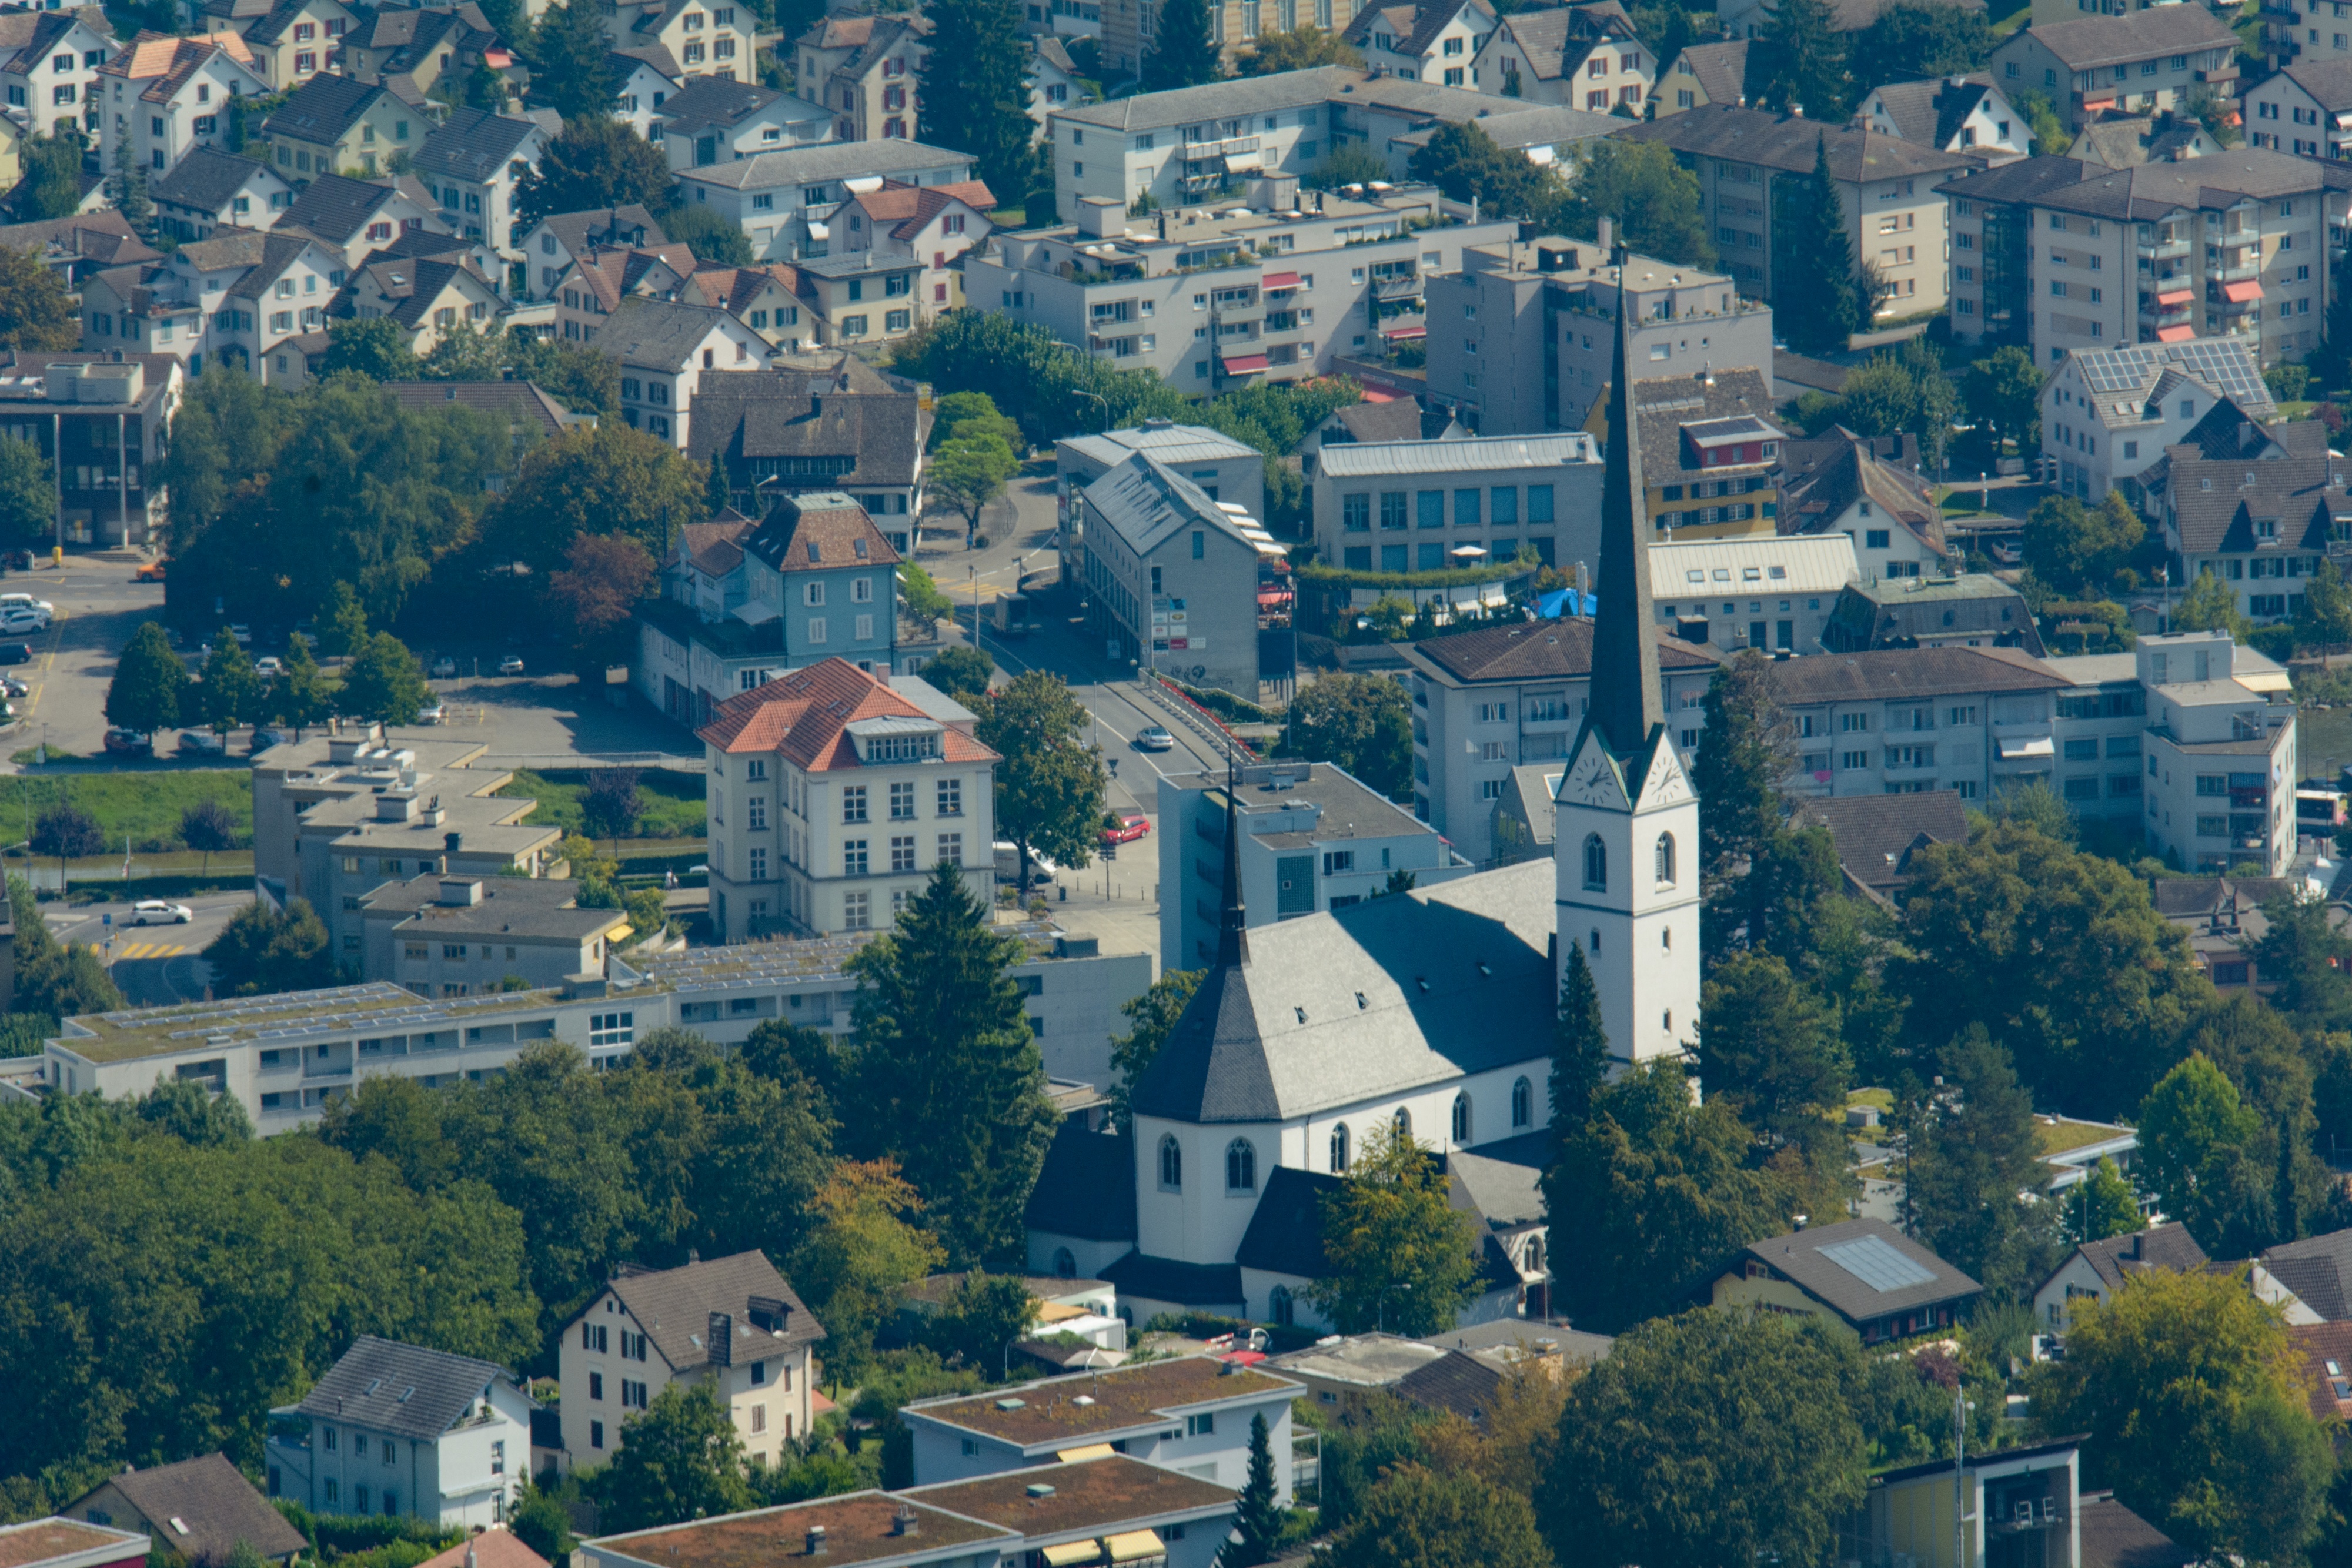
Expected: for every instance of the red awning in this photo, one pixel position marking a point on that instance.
(1404, 331)
(2175, 334)
(2106, 102)
(1279, 280)
(2176, 296)
(2239, 293)
(1245, 364)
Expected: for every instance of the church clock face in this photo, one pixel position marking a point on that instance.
(1592, 778)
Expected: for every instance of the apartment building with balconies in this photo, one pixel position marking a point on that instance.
(2109, 416)
(1520, 339)
(2306, 109)
(2257, 505)
(1211, 299)
(2061, 255)
(2141, 61)
(1909, 720)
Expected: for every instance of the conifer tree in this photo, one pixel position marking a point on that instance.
(719, 493)
(1799, 62)
(1580, 1052)
(1257, 1523)
(1825, 301)
(1183, 53)
(986, 109)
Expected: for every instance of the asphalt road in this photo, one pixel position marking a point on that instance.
(98, 606)
(154, 966)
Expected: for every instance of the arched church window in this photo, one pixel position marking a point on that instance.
(1666, 860)
(1241, 1167)
(1523, 1103)
(1066, 1263)
(1340, 1149)
(1596, 863)
(1279, 1306)
(1404, 1122)
(1461, 1118)
(1172, 1164)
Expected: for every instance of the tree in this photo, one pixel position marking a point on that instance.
(987, 114)
(1769, 1049)
(231, 692)
(980, 1319)
(67, 832)
(29, 497)
(584, 377)
(1738, 776)
(949, 1080)
(1154, 1014)
(2325, 614)
(376, 347)
(571, 65)
(608, 479)
(150, 683)
(611, 804)
(595, 596)
(385, 682)
(1361, 723)
(2077, 549)
(2210, 605)
(1418, 1518)
(715, 240)
(35, 312)
(1182, 53)
(1346, 165)
(347, 629)
(718, 490)
(126, 187)
(2102, 1204)
(71, 982)
(1050, 786)
(53, 188)
(540, 1521)
(486, 87)
(1301, 49)
(1827, 306)
(1798, 65)
(2003, 393)
(2203, 1151)
(1879, 398)
(960, 672)
(1968, 1150)
(595, 163)
(261, 951)
(207, 828)
(680, 1459)
(858, 1259)
(1920, 39)
(1580, 1052)
(1654, 200)
(1398, 1256)
(298, 696)
(183, 1108)
(2308, 959)
(966, 474)
(2196, 1414)
(1462, 161)
(1257, 1520)
(1712, 1437)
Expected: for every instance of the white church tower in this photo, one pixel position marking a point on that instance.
(1626, 844)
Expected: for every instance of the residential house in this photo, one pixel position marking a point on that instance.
(2258, 506)
(1910, 721)
(819, 423)
(1773, 591)
(497, 1548)
(717, 120)
(1173, 578)
(55, 1542)
(2203, 247)
(2095, 1271)
(785, 201)
(203, 1509)
(1216, 297)
(1523, 334)
(1127, 31)
(428, 297)
(768, 299)
(2225, 921)
(409, 51)
(1222, 469)
(1887, 185)
(732, 1325)
(473, 163)
(2114, 140)
(1054, 79)
(238, 297)
(866, 71)
(2309, 1280)
(2152, 59)
(1392, 419)
(291, 40)
(1313, 837)
(1971, 610)
(48, 66)
(1958, 114)
(1897, 530)
(335, 124)
(1574, 56)
(1702, 75)
(1748, 19)
(647, 75)
(2323, 1349)
(457, 935)
(703, 38)
(402, 1431)
(86, 412)
(2303, 109)
(664, 346)
(1496, 699)
(1191, 1415)
(933, 226)
(1065, 19)
(859, 297)
(360, 217)
(1706, 437)
(2109, 416)
(78, 246)
(11, 159)
(558, 240)
(1477, 499)
(1344, 1372)
(1423, 40)
(2023, 1503)
(1876, 835)
(211, 189)
(869, 793)
(166, 96)
(1861, 1273)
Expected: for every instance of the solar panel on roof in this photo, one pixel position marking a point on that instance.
(1878, 1263)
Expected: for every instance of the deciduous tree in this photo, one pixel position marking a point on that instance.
(968, 474)
(2004, 392)
(150, 683)
(2210, 605)
(595, 162)
(1050, 786)
(1769, 1049)
(982, 1317)
(262, 951)
(2102, 1204)
(859, 1256)
(28, 494)
(2204, 1152)
(35, 311)
(680, 1459)
(1969, 1149)
(593, 598)
(1398, 1256)
(298, 696)
(384, 683)
(1653, 200)
(1154, 1016)
(1363, 724)
(609, 479)
(1462, 162)
(207, 828)
(376, 347)
(1418, 1518)
(231, 693)
(1302, 48)
(2074, 549)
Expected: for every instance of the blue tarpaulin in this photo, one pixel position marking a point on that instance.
(1562, 601)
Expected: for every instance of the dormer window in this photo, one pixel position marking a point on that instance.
(2265, 528)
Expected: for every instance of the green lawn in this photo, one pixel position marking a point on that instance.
(2057, 1137)
(145, 804)
(672, 802)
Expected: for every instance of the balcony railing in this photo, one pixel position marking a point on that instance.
(2163, 249)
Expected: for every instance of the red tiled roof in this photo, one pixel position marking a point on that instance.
(2319, 1343)
(909, 207)
(802, 718)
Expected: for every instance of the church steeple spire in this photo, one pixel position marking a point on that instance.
(1232, 944)
(1628, 701)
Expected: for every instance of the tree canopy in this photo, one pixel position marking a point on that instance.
(1398, 1258)
(1363, 724)
(1050, 786)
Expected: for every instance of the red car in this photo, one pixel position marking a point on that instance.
(1130, 828)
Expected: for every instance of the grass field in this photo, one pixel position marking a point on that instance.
(144, 804)
(672, 802)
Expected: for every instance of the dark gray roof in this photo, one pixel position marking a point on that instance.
(1504, 1179)
(1533, 651)
(2121, 141)
(1285, 1229)
(1893, 675)
(1862, 1269)
(2229, 473)
(1087, 1187)
(1508, 1333)
(2113, 1536)
(2149, 191)
(2319, 1272)
(1398, 419)
(203, 1510)
(2329, 81)
(336, 206)
(659, 334)
(2117, 1258)
(1721, 70)
(206, 179)
(1455, 978)
(1932, 111)
(322, 109)
(674, 1307)
(404, 1389)
(1908, 612)
(768, 422)
(224, 248)
(2197, 897)
(628, 224)
(2096, 41)
(473, 144)
(522, 906)
(1669, 403)
(1875, 834)
(1456, 1381)
(1787, 142)
(712, 101)
(1186, 1284)
(523, 402)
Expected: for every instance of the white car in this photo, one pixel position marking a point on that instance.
(200, 743)
(512, 664)
(445, 668)
(269, 667)
(46, 610)
(156, 912)
(16, 619)
(431, 713)
(1152, 737)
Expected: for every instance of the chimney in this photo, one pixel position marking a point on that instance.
(906, 1521)
(816, 1539)
(1608, 236)
(452, 843)
(722, 1339)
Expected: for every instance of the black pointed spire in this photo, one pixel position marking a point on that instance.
(1232, 945)
(1628, 701)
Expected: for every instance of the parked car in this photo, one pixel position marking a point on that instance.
(26, 602)
(1130, 828)
(200, 743)
(16, 619)
(268, 666)
(124, 742)
(152, 572)
(15, 687)
(2006, 553)
(16, 653)
(20, 560)
(445, 668)
(1152, 737)
(431, 713)
(157, 912)
(268, 735)
(512, 664)
(243, 633)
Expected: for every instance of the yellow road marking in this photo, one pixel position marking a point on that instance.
(150, 950)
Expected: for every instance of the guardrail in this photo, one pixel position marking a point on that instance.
(1232, 748)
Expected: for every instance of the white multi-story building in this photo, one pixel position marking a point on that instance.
(472, 164)
(48, 66)
(164, 97)
(1430, 505)
(664, 346)
(1909, 720)
(2109, 416)
(2302, 109)
(785, 201)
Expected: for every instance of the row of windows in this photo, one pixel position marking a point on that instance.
(1501, 509)
(1241, 1154)
(946, 801)
(1596, 861)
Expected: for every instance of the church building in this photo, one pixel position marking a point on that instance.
(1432, 1011)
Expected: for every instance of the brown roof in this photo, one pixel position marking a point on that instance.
(2326, 1352)
(1456, 1381)
(1875, 834)
(1536, 650)
(804, 715)
(23, 1544)
(714, 548)
(1812, 502)
(909, 207)
(491, 1549)
(806, 535)
(215, 1503)
(674, 1307)
(1049, 1411)
(1093, 1495)
(2113, 1536)
(857, 1529)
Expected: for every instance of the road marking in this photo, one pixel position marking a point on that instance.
(150, 950)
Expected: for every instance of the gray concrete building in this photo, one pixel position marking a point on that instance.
(1224, 469)
(1909, 720)
(1427, 506)
(1520, 339)
(462, 935)
(1172, 576)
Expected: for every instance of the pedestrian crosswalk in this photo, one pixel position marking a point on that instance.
(149, 950)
